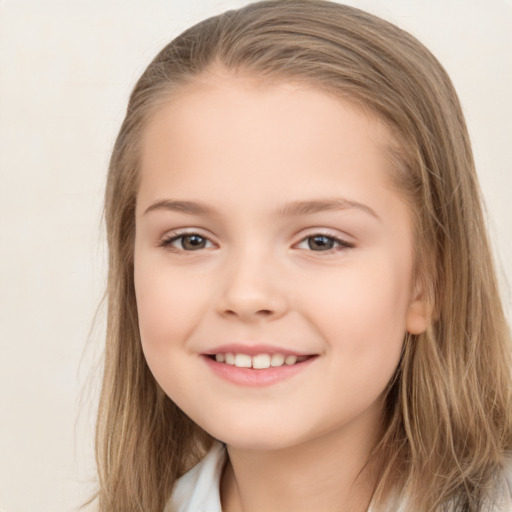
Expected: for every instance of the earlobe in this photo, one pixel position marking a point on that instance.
(419, 314)
(417, 320)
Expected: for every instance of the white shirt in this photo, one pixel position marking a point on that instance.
(198, 490)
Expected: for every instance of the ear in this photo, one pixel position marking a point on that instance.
(419, 313)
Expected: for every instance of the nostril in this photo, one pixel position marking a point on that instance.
(261, 312)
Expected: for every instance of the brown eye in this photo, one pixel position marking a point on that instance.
(193, 242)
(321, 243)
(188, 242)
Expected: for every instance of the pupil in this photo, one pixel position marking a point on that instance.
(320, 242)
(193, 242)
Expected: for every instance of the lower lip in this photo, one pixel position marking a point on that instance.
(257, 377)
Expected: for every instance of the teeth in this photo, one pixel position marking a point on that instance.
(289, 360)
(277, 360)
(260, 361)
(243, 361)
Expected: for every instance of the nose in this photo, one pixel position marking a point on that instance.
(252, 290)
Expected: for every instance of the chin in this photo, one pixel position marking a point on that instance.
(263, 443)
(255, 436)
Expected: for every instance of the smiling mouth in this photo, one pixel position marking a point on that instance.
(259, 361)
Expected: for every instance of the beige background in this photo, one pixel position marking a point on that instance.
(66, 68)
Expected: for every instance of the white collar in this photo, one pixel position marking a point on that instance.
(198, 489)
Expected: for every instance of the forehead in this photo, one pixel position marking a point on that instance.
(232, 128)
(220, 88)
(246, 103)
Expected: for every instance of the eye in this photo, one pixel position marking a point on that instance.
(186, 242)
(323, 243)
(189, 242)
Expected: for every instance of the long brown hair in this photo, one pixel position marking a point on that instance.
(448, 415)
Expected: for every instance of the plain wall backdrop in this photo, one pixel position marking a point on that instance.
(66, 69)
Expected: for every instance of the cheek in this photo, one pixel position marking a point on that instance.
(167, 304)
(364, 310)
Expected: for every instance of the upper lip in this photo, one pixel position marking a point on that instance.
(255, 349)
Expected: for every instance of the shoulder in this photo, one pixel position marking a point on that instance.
(198, 489)
(501, 500)
(507, 473)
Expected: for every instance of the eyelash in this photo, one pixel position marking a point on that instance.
(340, 244)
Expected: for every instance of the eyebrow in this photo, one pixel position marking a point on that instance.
(292, 209)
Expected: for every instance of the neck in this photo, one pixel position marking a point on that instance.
(329, 473)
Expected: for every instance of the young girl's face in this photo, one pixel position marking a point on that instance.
(267, 226)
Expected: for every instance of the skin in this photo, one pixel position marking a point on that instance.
(246, 149)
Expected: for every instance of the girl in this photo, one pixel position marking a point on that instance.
(303, 310)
